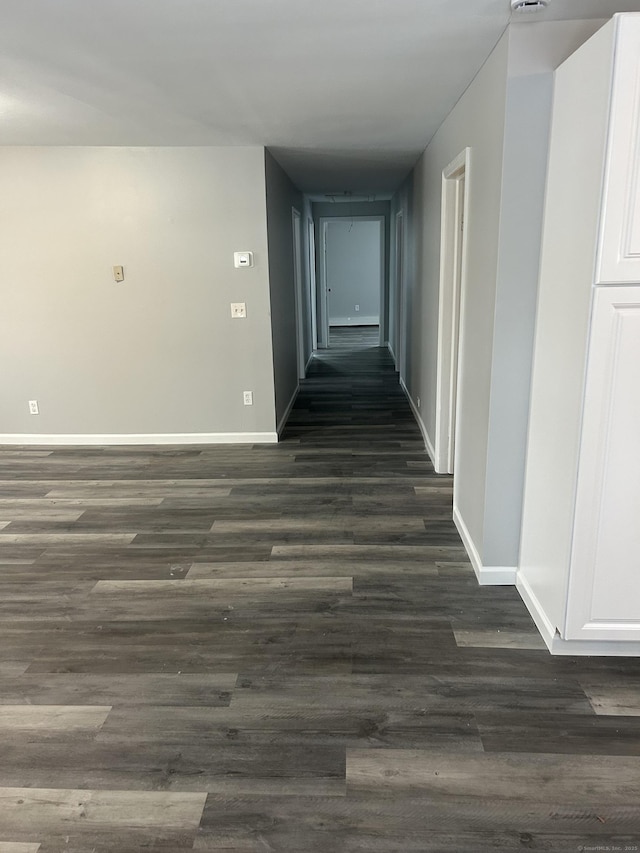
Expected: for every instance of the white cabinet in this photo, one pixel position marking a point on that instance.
(619, 243)
(579, 569)
(604, 576)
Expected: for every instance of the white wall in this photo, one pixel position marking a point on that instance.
(535, 50)
(477, 121)
(282, 197)
(158, 353)
(525, 162)
(504, 119)
(538, 47)
(563, 315)
(354, 271)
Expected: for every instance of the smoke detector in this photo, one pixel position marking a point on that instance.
(529, 5)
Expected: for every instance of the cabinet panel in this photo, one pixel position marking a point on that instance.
(619, 244)
(604, 582)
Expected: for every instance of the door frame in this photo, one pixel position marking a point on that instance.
(453, 274)
(313, 297)
(323, 325)
(296, 226)
(400, 356)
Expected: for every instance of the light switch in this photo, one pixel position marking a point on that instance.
(243, 259)
(118, 273)
(238, 310)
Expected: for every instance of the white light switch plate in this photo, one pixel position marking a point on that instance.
(238, 310)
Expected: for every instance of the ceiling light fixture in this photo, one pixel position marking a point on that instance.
(529, 5)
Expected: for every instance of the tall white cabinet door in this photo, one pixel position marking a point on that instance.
(604, 580)
(619, 244)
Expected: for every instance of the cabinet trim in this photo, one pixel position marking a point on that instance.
(595, 553)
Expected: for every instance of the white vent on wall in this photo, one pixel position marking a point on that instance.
(529, 5)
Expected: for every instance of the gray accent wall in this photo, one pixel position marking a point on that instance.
(157, 353)
(281, 198)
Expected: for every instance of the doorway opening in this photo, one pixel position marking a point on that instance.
(452, 279)
(352, 280)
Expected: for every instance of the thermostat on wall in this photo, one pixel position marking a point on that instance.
(243, 259)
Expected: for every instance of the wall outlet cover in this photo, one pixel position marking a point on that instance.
(242, 259)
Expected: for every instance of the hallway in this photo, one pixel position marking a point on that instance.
(353, 337)
(284, 648)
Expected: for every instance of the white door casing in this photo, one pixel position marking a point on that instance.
(400, 323)
(455, 182)
(311, 260)
(296, 221)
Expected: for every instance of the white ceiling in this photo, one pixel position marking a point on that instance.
(346, 92)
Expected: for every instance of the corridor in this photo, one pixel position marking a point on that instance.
(284, 649)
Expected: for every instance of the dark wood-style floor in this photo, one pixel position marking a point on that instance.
(284, 649)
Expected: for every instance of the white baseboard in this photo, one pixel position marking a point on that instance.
(595, 648)
(354, 321)
(309, 360)
(545, 627)
(486, 575)
(94, 439)
(283, 420)
(558, 646)
(425, 435)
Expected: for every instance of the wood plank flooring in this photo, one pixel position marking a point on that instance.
(284, 649)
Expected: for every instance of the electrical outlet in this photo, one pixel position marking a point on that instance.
(118, 273)
(33, 407)
(418, 402)
(248, 398)
(238, 310)
(357, 307)
(242, 259)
